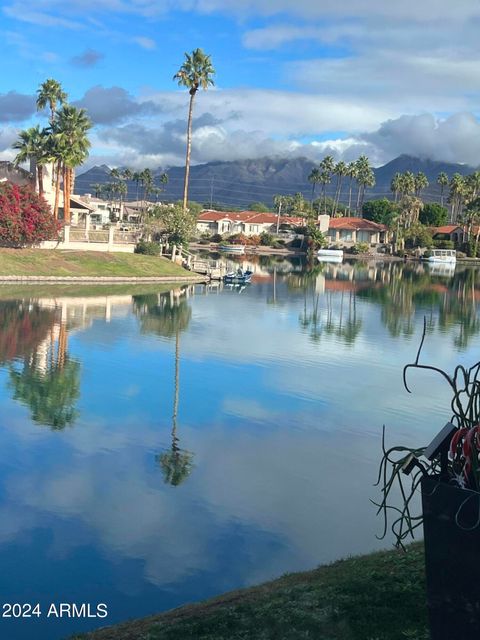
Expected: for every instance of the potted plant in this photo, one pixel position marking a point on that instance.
(447, 475)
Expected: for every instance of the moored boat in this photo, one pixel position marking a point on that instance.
(232, 248)
(238, 277)
(330, 255)
(443, 256)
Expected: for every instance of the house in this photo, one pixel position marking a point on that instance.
(452, 232)
(250, 223)
(349, 230)
(16, 175)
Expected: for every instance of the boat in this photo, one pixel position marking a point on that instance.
(232, 248)
(330, 255)
(336, 259)
(330, 252)
(238, 277)
(442, 256)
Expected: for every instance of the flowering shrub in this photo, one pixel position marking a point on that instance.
(25, 217)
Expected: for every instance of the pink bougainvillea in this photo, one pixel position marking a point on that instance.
(25, 217)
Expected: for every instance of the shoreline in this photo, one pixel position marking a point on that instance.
(380, 594)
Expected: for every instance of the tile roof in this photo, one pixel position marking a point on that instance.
(252, 217)
(355, 224)
(448, 228)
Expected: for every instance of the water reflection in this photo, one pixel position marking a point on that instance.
(168, 315)
(281, 392)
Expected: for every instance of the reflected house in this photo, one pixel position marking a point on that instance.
(348, 231)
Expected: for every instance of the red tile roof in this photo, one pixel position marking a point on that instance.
(252, 217)
(448, 228)
(353, 223)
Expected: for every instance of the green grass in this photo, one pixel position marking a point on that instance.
(376, 597)
(40, 262)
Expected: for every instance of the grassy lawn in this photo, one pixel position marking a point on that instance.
(376, 597)
(40, 262)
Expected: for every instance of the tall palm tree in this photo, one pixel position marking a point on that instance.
(70, 132)
(127, 175)
(442, 180)
(421, 183)
(407, 183)
(351, 174)
(340, 170)
(314, 178)
(457, 192)
(32, 145)
(51, 93)
(365, 178)
(396, 185)
(197, 71)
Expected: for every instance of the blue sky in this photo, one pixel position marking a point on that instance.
(293, 78)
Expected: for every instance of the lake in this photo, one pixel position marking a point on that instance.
(161, 446)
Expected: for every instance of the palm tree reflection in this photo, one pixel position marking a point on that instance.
(168, 315)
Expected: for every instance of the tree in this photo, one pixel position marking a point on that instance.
(396, 185)
(407, 183)
(51, 93)
(365, 178)
(32, 144)
(340, 170)
(351, 174)
(418, 236)
(25, 217)
(70, 132)
(261, 207)
(433, 215)
(314, 178)
(421, 183)
(442, 180)
(177, 223)
(456, 196)
(197, 71)
(381, 211)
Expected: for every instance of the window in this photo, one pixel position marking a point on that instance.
(346, 234)
(254, 228)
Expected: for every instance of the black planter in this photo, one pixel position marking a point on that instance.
(452, 560)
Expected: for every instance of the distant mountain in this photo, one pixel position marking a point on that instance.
(242, 182)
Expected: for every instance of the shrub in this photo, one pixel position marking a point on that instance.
(148, 248)
(216, 237)
(25, 217)
(360, 247)
(443, 244)
(266, 239)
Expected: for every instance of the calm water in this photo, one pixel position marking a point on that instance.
(163, 447)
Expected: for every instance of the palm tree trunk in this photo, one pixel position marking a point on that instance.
(57, 169)
(189, 150)
(350, 195)
(40, 179)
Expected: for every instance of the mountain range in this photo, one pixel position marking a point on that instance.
(242, 182)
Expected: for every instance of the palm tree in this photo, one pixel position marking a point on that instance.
(365, 178)
(314, 178)
(340, 171)
(70, 133)
(197, 71)
(396, 185)
(421, 182)
(32, 145)
(127, 175)
(442, 180)
(51, 93)
(457, 191)
(352, 174)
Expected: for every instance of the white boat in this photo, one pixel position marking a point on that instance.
(337, 259)
(232, 248)
(330, 255)
(330, 252)
(443, 256)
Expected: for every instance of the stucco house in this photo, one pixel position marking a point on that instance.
(348, 231)
(250, 223)
(452, 232)
(16, 175)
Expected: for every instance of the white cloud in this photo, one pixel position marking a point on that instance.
(145, 43)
